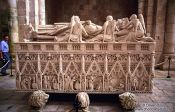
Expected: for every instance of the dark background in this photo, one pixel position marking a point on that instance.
(95, 10)
(4, 18)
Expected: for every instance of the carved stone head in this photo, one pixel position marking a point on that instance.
(38, 99)
(76, 19)
(82, 101)
(128, 100)
(133, 16)
(109, 18)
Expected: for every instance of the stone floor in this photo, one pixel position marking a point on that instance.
(161, 100)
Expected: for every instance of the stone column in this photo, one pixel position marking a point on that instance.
(22, 18)
(27, 12)
(42, 20)
(150, 15)
(14, 21)
(141, 7)
(170, 28)
(159, 27)
(169, 47)
(32, 12)
(36, 11)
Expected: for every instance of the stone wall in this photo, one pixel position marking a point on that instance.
(5, 17)
(159, 27)
(95, 10)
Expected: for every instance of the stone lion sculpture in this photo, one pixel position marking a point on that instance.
(38, 99)
(82, 102)
(128, 100)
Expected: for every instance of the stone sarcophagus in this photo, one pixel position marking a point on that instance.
(83, 56)
(91, 67)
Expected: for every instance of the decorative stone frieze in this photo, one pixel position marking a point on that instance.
(91, 67)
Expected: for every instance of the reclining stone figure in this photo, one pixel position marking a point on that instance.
(132, 30)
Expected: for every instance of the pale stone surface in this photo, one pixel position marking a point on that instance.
(38, 99)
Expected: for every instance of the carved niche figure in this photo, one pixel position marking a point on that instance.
(91, 83)
(34, 83)
(17, 82)
(55, 85)
(46, 82)
(108, 34)
(72, 83)
(108, 86)
(26, 83)
(69, 83)
(144, 86)
(60, 82)
(98, 83)
(121, 84)
(77, 84)
(135, 84)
